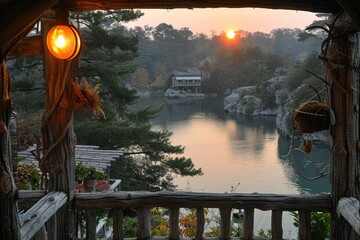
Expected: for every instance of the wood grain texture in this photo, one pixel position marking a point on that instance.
(276, 225)
(174, 223)
(118, 221)
(17, 19)
(144, 223)
(41, 212)
(312, 6)
(248, 224)
(200, 223)
(58, 134)
(170, 199)
(225, 228)
(304, 225)
(349, 208)
(8, 208)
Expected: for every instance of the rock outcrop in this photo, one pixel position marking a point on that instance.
(254, 100)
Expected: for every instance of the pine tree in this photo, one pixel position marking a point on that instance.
(107, 59)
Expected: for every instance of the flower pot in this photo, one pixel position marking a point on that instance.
(312, 116)
(89, 185)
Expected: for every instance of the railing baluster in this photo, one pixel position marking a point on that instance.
(225, 214)
(304, 225)
(118, 222)
(276, 225)
(200, 223)
(174, 223)
(248, 224)
(144, 223)
(90, 216)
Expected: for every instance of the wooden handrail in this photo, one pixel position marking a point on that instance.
(35, 218)
(143, 201)
(166, 199)
(349, 208)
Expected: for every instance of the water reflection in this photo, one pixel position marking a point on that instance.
(234, 148)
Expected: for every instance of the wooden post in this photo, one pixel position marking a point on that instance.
(276, 225)
(58, 136)
(174, 223)
(144, 223)
(225, 217)
(248, 223)
(200, 223)
(304, 225)
(118, 222)
(342, 69)
(8, 208)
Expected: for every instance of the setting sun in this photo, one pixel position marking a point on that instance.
(230, 34)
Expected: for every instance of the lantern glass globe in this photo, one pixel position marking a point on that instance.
(63, 42)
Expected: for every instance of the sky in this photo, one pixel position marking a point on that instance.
(215, 21)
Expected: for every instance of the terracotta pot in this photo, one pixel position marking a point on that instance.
(89, 185)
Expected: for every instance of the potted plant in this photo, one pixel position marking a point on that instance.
(88, 176)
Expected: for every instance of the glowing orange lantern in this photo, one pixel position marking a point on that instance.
(63, 42)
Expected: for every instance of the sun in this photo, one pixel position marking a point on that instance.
(230, 34)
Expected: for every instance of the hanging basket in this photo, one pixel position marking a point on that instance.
(312, 116)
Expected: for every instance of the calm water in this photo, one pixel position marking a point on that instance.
(236, 151)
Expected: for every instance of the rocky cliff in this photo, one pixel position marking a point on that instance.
(268, 98)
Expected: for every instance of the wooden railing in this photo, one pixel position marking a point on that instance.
(174, 201)
(33, 220)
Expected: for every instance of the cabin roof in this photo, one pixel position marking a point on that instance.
(186, 74)
(89, 155)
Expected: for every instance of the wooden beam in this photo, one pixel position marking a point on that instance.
(349, 208)
(352, 8)
(29, 46)
(8, 206)
(312, 6)
(263, 202)
(17, 18)
(40, 213)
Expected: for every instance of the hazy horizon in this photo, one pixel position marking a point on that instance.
(215, 21)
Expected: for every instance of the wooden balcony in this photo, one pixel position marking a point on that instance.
(174, 201)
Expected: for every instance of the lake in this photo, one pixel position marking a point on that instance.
(238, 153)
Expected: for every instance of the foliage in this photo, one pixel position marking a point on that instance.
(140, 175)
(83, 172)
(249, 108)
(319, 224)
(240, 67)
(160, 224)
(265, 234)
(107, 58)
(187, 223)
(101, 213)
(129, 227)
(299, 76)
(27, 176)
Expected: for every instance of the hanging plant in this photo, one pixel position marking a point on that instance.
(85, 96)
(312, 116)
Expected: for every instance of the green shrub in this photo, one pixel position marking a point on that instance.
(28, 176)
(319, 224)
(83, 172)
(249, 109)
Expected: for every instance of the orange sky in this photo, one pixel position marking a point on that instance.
(210, 21)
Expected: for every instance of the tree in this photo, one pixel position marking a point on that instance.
(108, 59)
(140, 78)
